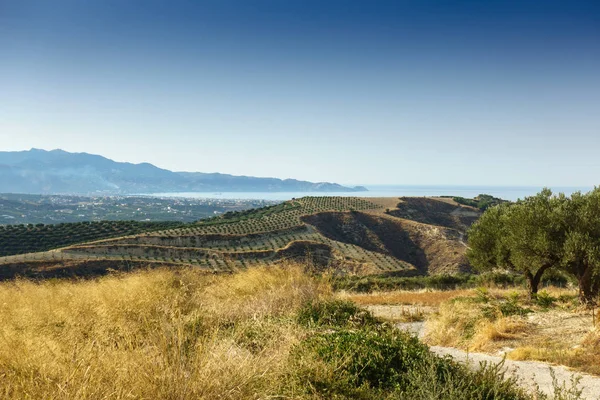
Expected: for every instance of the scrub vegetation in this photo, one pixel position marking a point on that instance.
(177, 334)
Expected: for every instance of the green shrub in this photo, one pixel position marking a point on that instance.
(334, 313)
(366, 358)
(482, 295)
(443, 379)
(385, 363)
(497, 278)
(368, 284)
(508, 308)
(544, 299)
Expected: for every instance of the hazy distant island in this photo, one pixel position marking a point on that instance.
(59, 172)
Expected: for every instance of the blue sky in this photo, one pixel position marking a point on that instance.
(371, 92)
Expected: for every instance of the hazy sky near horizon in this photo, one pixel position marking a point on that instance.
(372, 92)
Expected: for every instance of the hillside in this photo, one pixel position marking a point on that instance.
(441, 212)
(430, 249)
(60, 172)
(420, 236)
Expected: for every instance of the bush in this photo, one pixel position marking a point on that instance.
(334, 313)
(368, 284)
(544, 299)
(501, 279)
(557, 278)
(385, 363)
(373, 358)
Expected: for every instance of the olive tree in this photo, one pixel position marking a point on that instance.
(580, 218)
(525, 237)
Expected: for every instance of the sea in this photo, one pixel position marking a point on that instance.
(512, 193)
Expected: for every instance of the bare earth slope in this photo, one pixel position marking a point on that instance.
(441, 212)
(430, 249)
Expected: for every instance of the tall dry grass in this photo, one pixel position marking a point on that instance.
(159, 334)
(431, 298)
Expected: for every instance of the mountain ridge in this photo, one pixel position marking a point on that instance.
(57, 171)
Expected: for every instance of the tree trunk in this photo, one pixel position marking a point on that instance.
(588, 289)
(534, 280)
(533, 285)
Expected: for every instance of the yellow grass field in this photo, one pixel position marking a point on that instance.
(159, 334)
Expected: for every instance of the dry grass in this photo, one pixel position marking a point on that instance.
(488, 333)
(425, 298)
(453, 325)
(559, 349)
(561, 335)
(159, 334)
(402, 313)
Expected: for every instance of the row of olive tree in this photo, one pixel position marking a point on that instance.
(539, 233)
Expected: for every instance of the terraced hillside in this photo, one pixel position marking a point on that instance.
(22, 239)
(349, 234)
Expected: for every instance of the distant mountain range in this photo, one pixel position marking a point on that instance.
(60, 172)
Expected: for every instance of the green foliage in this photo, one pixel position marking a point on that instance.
(524, 237)
(385, 363)
(367, 284)
(545, 300)
(580, 255)
(511, 307)
(493, 308)
(482, 295)
(375, 358)
(564, 391)
(344, 359)
(448, 381)
(482, 202)
(499, 279)
(334, 313)
(541, 233)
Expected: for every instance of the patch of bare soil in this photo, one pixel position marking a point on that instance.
(385, 202)
(318, 254)
(431, 249)
(436, 211)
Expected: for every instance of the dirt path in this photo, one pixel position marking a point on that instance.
(529, 373)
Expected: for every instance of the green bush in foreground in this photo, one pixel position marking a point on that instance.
(343, 359)
(384, 363)
(334, 313)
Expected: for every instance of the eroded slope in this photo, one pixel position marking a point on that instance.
(431, 249)
(433, 211)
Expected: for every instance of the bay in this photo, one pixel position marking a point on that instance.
(505, 192)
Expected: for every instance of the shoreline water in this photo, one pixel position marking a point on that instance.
(505, 192)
